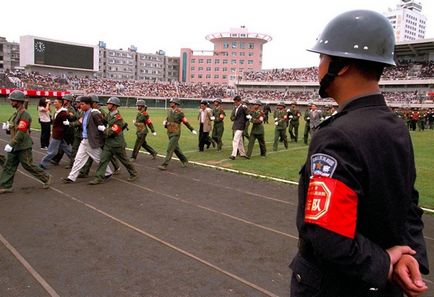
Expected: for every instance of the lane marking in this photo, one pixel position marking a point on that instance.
(169, 245)
(29, 268)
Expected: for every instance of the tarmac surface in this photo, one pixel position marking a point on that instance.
(189, 231)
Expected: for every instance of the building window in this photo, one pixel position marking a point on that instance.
(216, 69)
(250, 62)
(225, 61)
(225, 69)
(216, 76)
(234, 44)
(242, 54)
(192, 68)
(208, 61)
(250, 54)
(193, 60)
(233, 62)
(208, 68)
(200, 61)
(208, 76)
(242, 45)
(234, 54)
(199, 76)
(251, 45)
(241, 62)
(224, 76)
(217, 61)
(225, 45)
(192, 76)
(200, 68)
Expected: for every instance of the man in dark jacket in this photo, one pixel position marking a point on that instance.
(359, 223)
(239, 117)
(92, 139)
(58, 141)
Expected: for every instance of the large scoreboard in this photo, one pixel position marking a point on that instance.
(57, 54)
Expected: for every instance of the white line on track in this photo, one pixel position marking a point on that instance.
(29, 268)
(169, 245)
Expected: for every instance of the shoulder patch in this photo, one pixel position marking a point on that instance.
(323, 165)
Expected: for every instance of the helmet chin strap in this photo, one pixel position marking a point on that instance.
(335, 66)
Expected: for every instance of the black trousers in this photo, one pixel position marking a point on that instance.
(45, 134)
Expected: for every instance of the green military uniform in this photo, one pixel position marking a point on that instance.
(257, 132)
(173, 125)
(293, 117)
(142, 123)
(218, 129)
(21, 144)
(114, 146)
(306, 126)
(280, 120)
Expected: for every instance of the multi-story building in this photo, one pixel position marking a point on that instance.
(129, 64)
(407, 20)
(9, 55)
(234, 52)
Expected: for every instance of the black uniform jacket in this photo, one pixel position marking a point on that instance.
(356, 199)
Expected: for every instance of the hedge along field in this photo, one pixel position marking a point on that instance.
(283, 164)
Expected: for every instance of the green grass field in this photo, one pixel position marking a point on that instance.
(284, 164)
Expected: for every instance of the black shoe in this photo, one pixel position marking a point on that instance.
(162, 167)
(232, 157)
(96, 181)
(67, 180)
(246, 157)
(184, 164)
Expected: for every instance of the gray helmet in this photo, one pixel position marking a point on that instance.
(17, 96)
(114, 101)
(95, 98)
(218, 100)
(358, 34)
(140, 102)
(257, 102)
(175, 100)
(204, 102)
(281, 103)
(68, 97)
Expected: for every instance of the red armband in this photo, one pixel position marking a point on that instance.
(148, 122)
(23, 126)
(331, 205)
(184, 120)
(116, 129)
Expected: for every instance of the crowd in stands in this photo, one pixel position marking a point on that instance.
(109, 87)
(401, 72)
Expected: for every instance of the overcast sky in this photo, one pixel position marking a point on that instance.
(173, 24)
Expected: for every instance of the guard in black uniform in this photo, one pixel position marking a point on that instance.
(359, 223)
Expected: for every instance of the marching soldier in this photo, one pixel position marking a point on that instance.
(219, 116)
(142, 122)
(293, 117)
(175, 116)
(114, 144)
(19, 149)
(306, 118)
(257, 132)
(280, 120)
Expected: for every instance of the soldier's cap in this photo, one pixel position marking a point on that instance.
(281, 103)
(237, 98)
(86, 99)
(68, 97)
(94, 98)
(257, 102)
(218, 100)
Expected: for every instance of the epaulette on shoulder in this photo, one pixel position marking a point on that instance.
(178, 110)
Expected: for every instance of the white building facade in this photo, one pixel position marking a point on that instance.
(407, 20)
